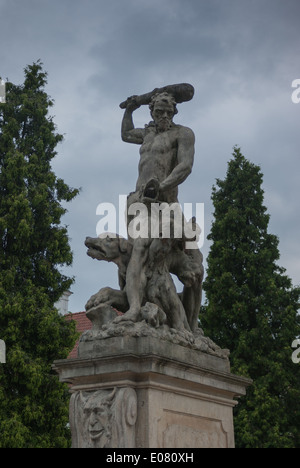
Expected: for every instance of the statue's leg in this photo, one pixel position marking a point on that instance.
(191, 300)
(109, 296)
(188, 267)
(163, 293)
(136, 279)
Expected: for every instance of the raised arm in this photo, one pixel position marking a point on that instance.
(185, 160)
(128, 132)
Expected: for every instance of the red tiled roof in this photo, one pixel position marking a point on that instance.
(82, 324)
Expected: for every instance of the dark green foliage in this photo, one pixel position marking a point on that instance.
(251, 309)
(33, 245)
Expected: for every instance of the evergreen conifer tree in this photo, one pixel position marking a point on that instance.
(251, 309)
(33, 403)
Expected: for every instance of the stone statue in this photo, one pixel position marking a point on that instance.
(103, 418)
(187, 266)
(145, 263)
(166, 160)
(145, 374)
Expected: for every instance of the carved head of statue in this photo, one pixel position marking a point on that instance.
(163, 108)
(103, 418)
(98, 419)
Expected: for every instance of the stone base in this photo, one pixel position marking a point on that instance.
(142, 392)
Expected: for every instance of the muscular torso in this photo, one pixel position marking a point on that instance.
(158, 157)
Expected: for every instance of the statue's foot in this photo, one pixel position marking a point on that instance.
(130, 315)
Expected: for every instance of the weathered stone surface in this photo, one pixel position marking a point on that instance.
(184, 397)
(149, 377)
(93, 341)
(145, 263)
(181, 92)
(100, 315)
(103, 418)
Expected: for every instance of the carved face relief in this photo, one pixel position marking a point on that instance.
(103, 419)
(163, 114)
(97, 416)
(97, 426)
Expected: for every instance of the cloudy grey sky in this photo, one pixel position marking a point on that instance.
(240, 55)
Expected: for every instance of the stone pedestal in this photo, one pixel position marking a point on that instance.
(144, 392)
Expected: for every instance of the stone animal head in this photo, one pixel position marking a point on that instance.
(107, 246)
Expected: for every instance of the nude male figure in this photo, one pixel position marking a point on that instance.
(166, 160)
(167, 150)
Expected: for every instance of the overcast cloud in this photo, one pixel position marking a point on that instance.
(240, 55)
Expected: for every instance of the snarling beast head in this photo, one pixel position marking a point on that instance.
(107, 246)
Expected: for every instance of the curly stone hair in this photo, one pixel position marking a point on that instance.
(165, 98)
